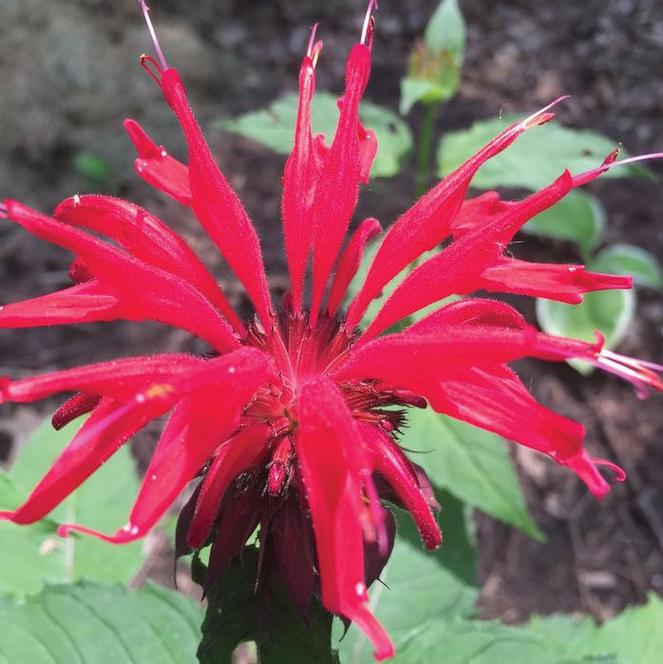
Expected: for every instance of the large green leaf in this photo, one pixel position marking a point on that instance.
(634, 637)
(630, 260)
(534, 160)
(578, 218)
(274, 127)
(471, 463)
(33, 555)
(419, 585)
(611, 312)
(236, 613)
(89, 624)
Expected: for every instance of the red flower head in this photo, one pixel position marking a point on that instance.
(288, 422)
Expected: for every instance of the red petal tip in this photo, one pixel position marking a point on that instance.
(127, 534)
(4, 213)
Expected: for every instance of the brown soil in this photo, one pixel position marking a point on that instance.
(68, 76)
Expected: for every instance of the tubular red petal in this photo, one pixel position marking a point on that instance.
(333, 494)
(104, 432)
(236, 524)
(337, 189)
(157, 167)
(389, 461)
(84, 303)
(74, 407)
(476, 212)
(195, 428)
(349, 262)
(563, 283)
(427, 222)
(119, 379)
(291, 544)
(147, 238)
(456, 269)
(497, 401)
(162, 296)
(299, 178)
(233, 458)
(216, 205)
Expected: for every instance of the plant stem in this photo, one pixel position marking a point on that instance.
(425, 146)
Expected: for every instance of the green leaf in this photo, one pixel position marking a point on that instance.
(578, 218)
(88, 623)
(96, 170)
(419, 585)
(630, 260)
(611, 312)
(274, 128)
(237, 614)
(471, 463)
(634, 637)
(33, 555)
(481, 642)
(414, 90)
(434, 67)
(446, 29)
(536, 158)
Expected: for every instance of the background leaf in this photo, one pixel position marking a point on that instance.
(630, 260)
(534, 160)
(434, 67)
(473, 464)
(577, 218)
(274, 128)
(33, 555)
(236, 613)
(611, 312)
(446, 30)
(633, 637)
(89, 623)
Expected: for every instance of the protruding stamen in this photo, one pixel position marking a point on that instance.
(157, 47)
(367, 28)
(151, 66)
(641, 374)
(542, 116)
(311, 41)
(610, 162)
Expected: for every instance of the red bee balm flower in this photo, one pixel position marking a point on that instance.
(289, 419)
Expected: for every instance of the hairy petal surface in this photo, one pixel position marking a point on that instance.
(333, 494)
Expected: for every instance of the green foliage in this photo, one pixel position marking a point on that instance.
(435, 64)
(273, 127)
(473, 464)
(31, 556)
(536, 158)
(88, 624)
(237, 612)
(95, 170)
(633, 637)
(610, 312)
(627, 259)
(578, 218)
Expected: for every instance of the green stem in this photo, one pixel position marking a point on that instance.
(425, 147)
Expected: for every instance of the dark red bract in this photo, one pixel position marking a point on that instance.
(291, 422)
